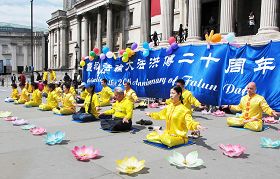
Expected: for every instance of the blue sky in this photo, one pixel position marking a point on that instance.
(18, 11)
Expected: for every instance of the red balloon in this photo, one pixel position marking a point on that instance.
(96, 50)
(121, 51)
(171, 40)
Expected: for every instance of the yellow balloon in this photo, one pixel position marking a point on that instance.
(124, 59)
(82, 63)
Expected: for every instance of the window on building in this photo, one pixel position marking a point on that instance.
(118, 22)
(70, 35)
(55, 38)
(130, 16)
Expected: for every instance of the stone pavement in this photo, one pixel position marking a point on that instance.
(25, 156)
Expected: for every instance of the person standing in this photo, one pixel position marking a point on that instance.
(52, 76)
(13, 79)
(181, 31)
(251, 22)
(45, 75)
(22, 78)
(155, 38)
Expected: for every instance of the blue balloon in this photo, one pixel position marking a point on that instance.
(169, 51)
(146, 53)
(174, 46)
(105, 49)
(230, 37)
(146, 45)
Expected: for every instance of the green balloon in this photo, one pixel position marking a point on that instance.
(91, 53)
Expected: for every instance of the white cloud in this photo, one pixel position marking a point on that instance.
(18, 11)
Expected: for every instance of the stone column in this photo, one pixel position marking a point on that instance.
(109, 35)
(145, 28)
(99, 30)
(227, 16)
(63, 51)
(25, 54)
(90, 23)
(167, 18)
(268, 17)
(58, 49)
(14, 57)
(49, 49)
(123, 20)
(79, 18)
(85, 35)
(182, 5)
(194, 21)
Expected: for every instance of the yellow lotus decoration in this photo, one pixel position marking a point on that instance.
(130, 165)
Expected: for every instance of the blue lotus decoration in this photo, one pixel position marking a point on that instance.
(55, 138)
(268, 143)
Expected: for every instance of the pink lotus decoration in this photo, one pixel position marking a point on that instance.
(218, 113)
(19, 122)
(38, 131)
(232, 150)
(153, 105)
(205, 112)
(270, 120)
(85, 153)
(10, 118)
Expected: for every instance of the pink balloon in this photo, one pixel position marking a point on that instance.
(171, 40)
(96, 50)
(121, 51)
(102, 56)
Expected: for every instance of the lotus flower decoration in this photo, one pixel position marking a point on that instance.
(268, 143)
(10, 118)
(5, 114)
(55, 138)
(190, 161)
(218, 113)
(153, 105)
(20, 122)
(130, 165)
(84, 153)
(232, 150)
(205, 112)
(270, 120)
(28, 127)
(38, 131)
(238, 114)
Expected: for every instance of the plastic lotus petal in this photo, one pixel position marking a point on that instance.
(55, 138)
(5, 114)
(130, 165)
(10, 118)
(232, 150)
(153, 105)
(85, 153)
(270, 120)
(205, 112)
(190, 161)
(268, 143)
(20, 122)
(218, 113)
(38, 131)
(28, 127)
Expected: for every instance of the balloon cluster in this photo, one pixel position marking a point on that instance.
(106, 53)
(128, 52)
(173, 45)
(147, 47)
(213, 38)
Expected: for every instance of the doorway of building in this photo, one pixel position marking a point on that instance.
(210, 16)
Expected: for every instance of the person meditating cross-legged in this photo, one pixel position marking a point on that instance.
(36, 98)
(68, 102)
(88, 110)
(24, 96)
(178, 121)
(252, 106)
(119, 117)
(105, 94)
(52, 100)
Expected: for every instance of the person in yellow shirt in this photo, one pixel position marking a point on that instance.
(122, 111)
(72, 90)
(188, 99)
(178, 121)
(58, 89)
(29, 87)
(45, 75)
(88, 110)
(81, 98)
(52, 100)
(52, 76)
(45, 89)
(68, 103)
(105, 94)
(252, 106)
(24, 96)
(14, 95)
(36, 98)
(129, 93)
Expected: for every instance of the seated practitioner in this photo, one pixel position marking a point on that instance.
(119, 117)
(178, 121)
(36, 98)
(129, 93)
(105, 94)
(72, 90)
(68, 102)
(52, 75)
(46, 89)
(52, 99)
(14, 95)
(45, 75)
(24, 96)
(29, 87)
(252, 106)
(188, 99)
(88, 110)
(58, 88)
(83, 94)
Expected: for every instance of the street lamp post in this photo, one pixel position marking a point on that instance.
(31, 1)
(77, 48)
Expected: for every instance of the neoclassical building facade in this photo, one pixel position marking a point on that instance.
(119, 23)
(15, 48)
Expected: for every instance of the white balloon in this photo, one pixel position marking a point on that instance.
(109, 54)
